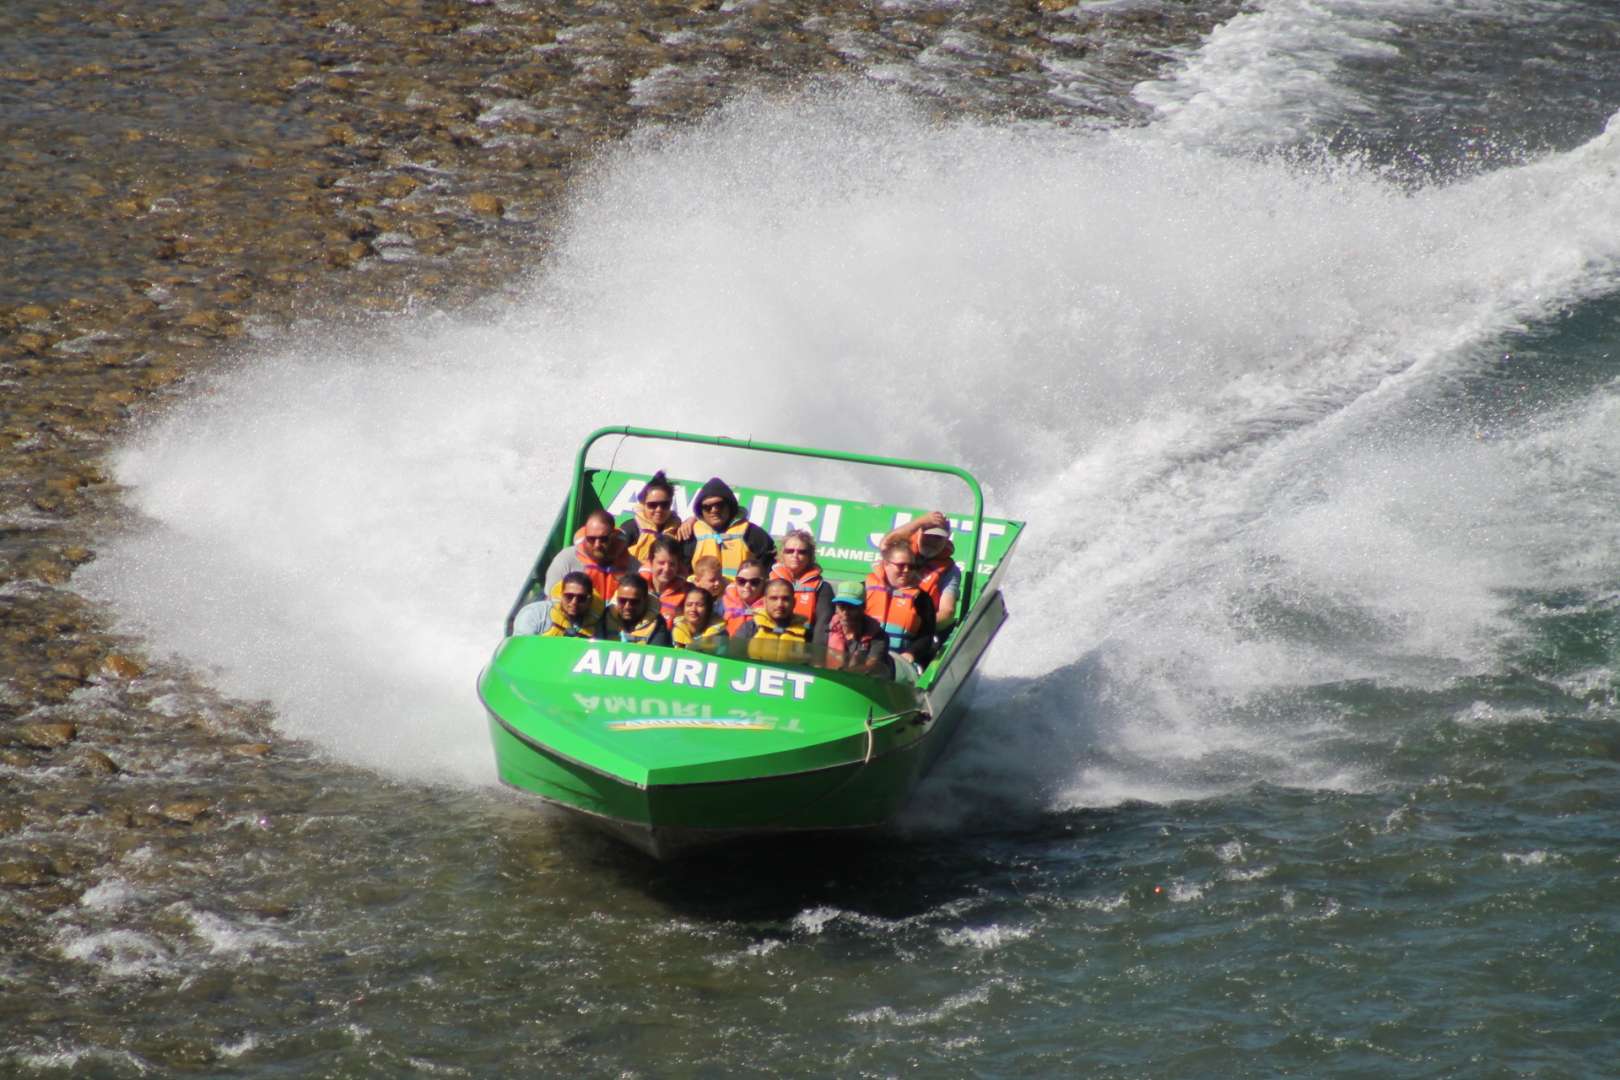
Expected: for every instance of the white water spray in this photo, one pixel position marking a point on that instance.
(1173, 363)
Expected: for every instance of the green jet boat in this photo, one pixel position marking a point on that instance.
(673, 749)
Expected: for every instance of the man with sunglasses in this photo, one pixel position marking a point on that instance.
(577, 612)
(895, 600)
(600, 555)
(720, 527)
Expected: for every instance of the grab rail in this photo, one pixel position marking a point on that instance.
(571, 522)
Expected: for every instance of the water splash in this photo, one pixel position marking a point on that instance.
(1186, 370)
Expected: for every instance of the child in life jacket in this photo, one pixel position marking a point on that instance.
(706, 576)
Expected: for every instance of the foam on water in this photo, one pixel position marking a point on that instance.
(1183, 368)
(1271, 77)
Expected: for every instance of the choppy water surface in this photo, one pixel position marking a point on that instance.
(1299, 755)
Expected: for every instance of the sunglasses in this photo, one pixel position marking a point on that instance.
(596, 539)
(657, 504)
(755, 581)
(902, 565)
(795, 551)
(715, 504)
(574, 597)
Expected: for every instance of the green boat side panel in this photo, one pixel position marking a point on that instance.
(847, 533)
(655, 716)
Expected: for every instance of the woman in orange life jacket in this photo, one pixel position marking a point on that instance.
(937, 572)
(743, 595)
(699, 627)
(663, 573)
(577, 612)
(775, 632)
(600, 554)
(905, 612)
(855, 641)
(812, 597)
(720, 527)
(634, 617)
(654, 516)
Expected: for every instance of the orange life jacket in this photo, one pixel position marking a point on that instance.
(671, 600)
(737, 612)
(894, 609)
(805, 588)
(604, 575)
(651, 622)
(931, 571)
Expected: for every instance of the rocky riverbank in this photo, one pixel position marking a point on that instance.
(178, 179)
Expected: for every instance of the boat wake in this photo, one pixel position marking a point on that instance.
(1220, 389)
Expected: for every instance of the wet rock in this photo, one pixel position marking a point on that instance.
(10, 821)
(47, 736)
(25, 873)
(95, 763)
(250, 749)
(118, 666)
(185, 812)
(17, 759)
(482, 202)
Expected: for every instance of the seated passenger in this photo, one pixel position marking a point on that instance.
(633, 617)
(663, 573)
(743, 596)
(706, 575)
(654, 516)
(937, 572)
(855, 641)
(600, 554)
(812, 597)
(577, 611)
(720, 527)
(775, 632)
(903, 610)
(699, 627)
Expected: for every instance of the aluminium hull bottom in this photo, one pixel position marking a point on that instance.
(670, 820)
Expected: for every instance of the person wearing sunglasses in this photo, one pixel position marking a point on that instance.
(634, 617)
(577, 611)
(937, 572)
(775, 632)
(599, 554)
(654, 516)
(744, 594)
(905, 612)
(812, 596)
(719, 526)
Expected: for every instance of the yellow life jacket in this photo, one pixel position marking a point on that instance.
(711, 638)
(647, 532)
(651, 622)
(588, 627)
(729, 546)
(784, 645)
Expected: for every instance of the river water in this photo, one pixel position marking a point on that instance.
(1290, 330)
